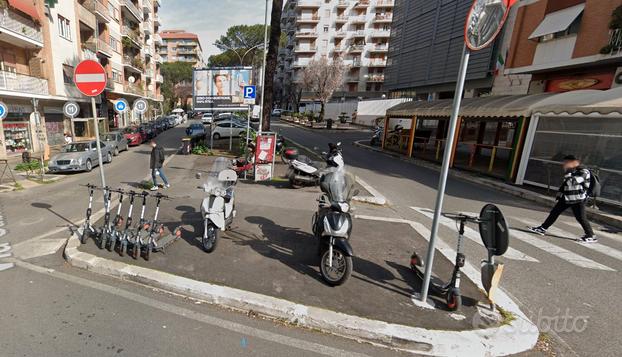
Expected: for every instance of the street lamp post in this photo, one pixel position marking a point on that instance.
(241, 58)
(263, 76)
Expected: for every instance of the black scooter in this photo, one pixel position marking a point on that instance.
(125, 236)
(117, 224)
(106, 230)
(451, 290)
(87, 228)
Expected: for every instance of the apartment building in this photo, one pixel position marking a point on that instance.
(41, 42)
(356, 31)
(567, 45)
(181, 46)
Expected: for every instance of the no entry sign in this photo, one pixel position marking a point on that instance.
(90, 78)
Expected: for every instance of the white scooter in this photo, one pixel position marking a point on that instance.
(218, 208)
(304, 172)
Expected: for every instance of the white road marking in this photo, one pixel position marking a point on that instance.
(194, 315)
(597, 247)
(5, 252)
(39, 248)
(598, 231)
(474, 236)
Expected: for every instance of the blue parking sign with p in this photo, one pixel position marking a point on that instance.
(250, 92)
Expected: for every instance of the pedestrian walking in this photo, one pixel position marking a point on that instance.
(155, 164)
(573, 194)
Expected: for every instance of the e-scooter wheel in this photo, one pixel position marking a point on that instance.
(148, 252)
(123, 248)
(136, 250)
(103, 239)
(341, 268)
(210, 238)
(84, 236)
(454, 300)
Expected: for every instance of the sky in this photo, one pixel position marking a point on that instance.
(210, 18)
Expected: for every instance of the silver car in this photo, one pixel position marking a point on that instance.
(79, 156)
(116, 140)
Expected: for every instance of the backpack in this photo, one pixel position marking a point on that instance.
(595, 186)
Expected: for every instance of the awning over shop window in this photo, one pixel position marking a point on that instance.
(28, 7)
(584, 102)
(557, 21)
(492, 107)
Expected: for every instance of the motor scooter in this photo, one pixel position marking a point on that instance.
(304, 172)
(332, 226)
(376, 139)
(218, 208)
(87, 229)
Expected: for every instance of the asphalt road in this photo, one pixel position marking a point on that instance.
(566, 288)
(50, 309)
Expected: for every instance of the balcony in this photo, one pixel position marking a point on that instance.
(156, 20)
(341, 19)
(358, 19)
(305, 49)
(86, 17)
(308, 4)
(356, 48)
(19, 30)
(377, 63)
(300, 63)
(157, 39)
(134, 64)
(133, 35)
(132, 9)
(380, 33)
(89, 50)
(614, 46)
(308, 19)
(353, 79)
(147, 26)
(385, 3)
(148, 52)
(158, 58)
(358, 33)
(100, 10)
(360, 5)
(185, 51)
(379, 48)
(306, 34)
(159, 78)
(147, 6)
(342, 4)
(22, 83)
(134, 89)
(104, 48)
(386, 18)
(375, 78)
(149, 73)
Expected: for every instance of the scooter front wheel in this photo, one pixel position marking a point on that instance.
(147, 255)
(339, 271)
(103, 239)
(84, 236)
(210, 237)
(454, 300)
(136, 250)
(123, 248)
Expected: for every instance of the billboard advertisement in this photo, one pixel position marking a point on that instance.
(220, 88)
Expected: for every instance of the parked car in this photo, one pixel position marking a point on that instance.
(149, 131)
(207, 118)
(172, 121)
(195, 130)
(134, 136)
(226, 128)
(79, 156)
(116, 140)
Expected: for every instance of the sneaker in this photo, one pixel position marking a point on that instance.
(586, 239)
(154, 188)
(538, 230)
(168, 185)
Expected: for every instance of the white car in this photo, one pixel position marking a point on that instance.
(227, 128)
(207, 118)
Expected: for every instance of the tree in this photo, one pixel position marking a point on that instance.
(239, 39)
(271, 62)
(175, 74)
(322, 78)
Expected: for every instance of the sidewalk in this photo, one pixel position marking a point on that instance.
(267, 265)
(522, 192)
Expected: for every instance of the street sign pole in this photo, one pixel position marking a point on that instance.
(230, 135)
(248, 131)
(440, 193)
(35, 104)
(99, 146)
(263, 75)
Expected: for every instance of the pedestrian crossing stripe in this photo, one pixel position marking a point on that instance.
(474, 236)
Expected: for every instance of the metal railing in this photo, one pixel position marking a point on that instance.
(98, 8)
(313, 18)
(104, 47)
(134, 89)
(147, 4)
(20, 25)
(132, 34)
(23, 83)
(133, 9)
(614, 46)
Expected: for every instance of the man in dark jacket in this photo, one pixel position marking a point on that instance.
(572, 194)
(155, 164)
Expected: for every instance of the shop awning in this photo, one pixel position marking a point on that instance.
(491, 107)
(28, 7)
(557, 21)
(588, 102)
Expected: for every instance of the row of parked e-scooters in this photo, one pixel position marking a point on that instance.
(120, 233)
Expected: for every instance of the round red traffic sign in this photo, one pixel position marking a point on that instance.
(90, 78)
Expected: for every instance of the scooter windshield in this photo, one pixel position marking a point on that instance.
(213, 185)
(337, 184)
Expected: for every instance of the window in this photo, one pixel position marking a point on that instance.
(64, 28)
(67, 74)
(117, 77)
(325, 28)
(114, 43)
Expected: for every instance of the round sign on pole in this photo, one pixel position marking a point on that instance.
(140, 106)
(4, 110)
(71, 109)
(121, 106)
(90, 78)
(485, 21)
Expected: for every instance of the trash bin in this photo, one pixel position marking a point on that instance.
(186, 146)
(329, 123)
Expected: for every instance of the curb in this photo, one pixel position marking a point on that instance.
(592, 214)
(518, 336)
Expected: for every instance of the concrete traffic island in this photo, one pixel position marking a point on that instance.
(268, 265)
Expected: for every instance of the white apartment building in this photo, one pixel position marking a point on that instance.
(42, 41)
(356, 31)
(181, 46)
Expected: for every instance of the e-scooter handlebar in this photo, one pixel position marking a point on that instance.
(461, 217)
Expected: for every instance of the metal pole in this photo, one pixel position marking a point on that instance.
(263, 76)
(99, 148)
(230, 135)
(449, 146)
(248, 132)
(35, 104)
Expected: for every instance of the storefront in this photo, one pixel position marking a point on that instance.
(588, 125)
(18, 130)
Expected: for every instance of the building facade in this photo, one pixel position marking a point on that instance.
(567, 45)
(181, 46)
(356, 31)
(427, 39)
(41, 42)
